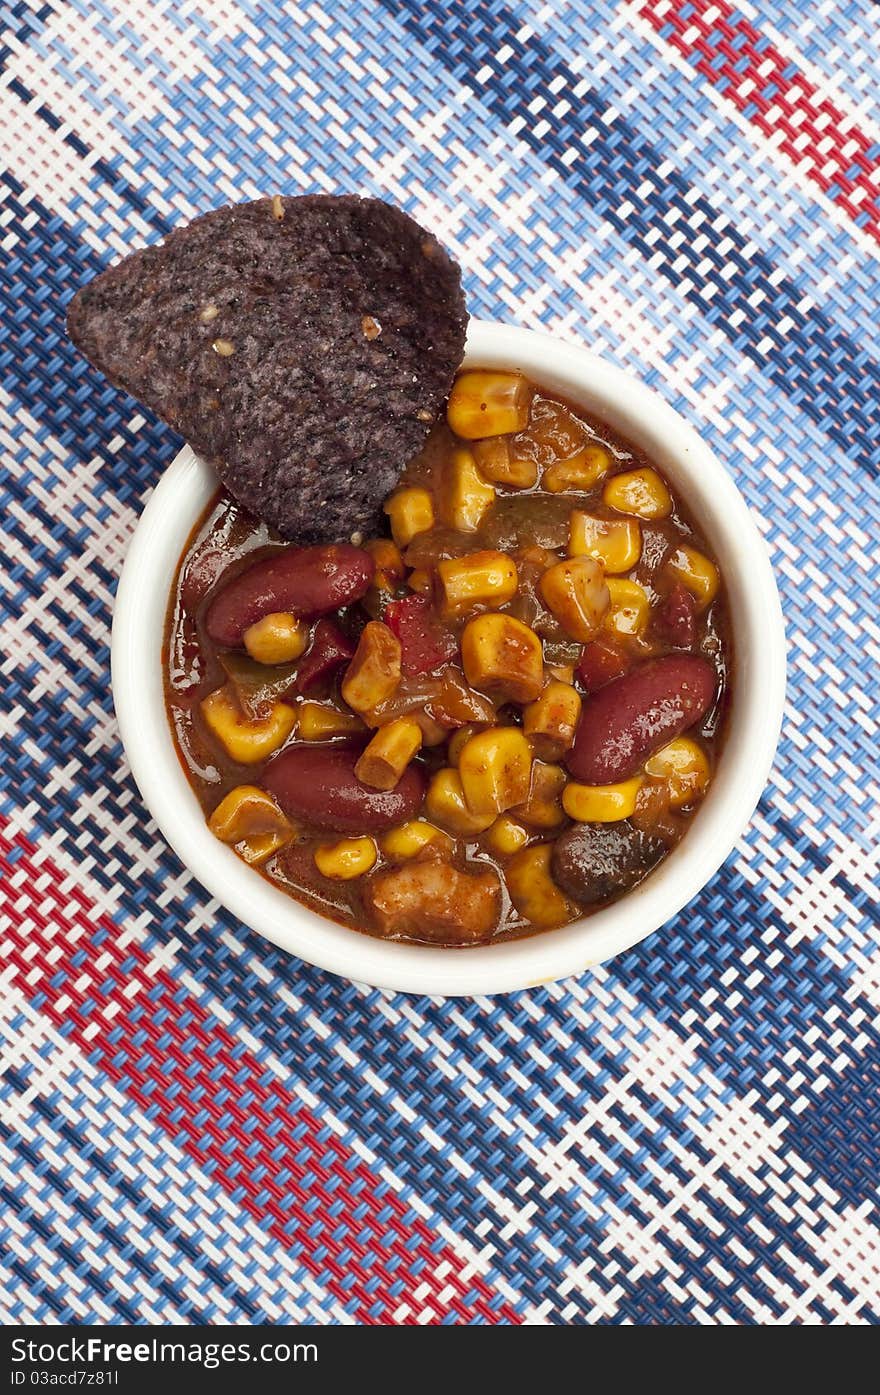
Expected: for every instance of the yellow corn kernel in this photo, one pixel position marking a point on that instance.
(318, 722)
(389, 753)
(390, 569)
(630, 606)
(495, 768)
(684, 767)
(575, 592)
(601, 803)
(533, 890)
(278, 638)
(246, 810)
(468, 495)
(485, 403)
(420, 581)
(260, 847)
(506, 836)
(497, 462)
(580, 471)
(458, 741)
(543, 808)
(480, 578)
(550, 722)
(347, 859)
(247, 740)
(445, 804)
(641, 492)
(374, 672)
(503, 658)
(412, 838)
(695, 572)
(249, 818)
(615, 542)
(411, 511)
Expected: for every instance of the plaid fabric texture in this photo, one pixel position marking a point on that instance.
(196, 1128)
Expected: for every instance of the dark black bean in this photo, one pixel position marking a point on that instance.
(593, 861)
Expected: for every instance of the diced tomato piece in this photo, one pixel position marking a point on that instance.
(328, 650)
(426, 643)
(676, 617)
(599, 663)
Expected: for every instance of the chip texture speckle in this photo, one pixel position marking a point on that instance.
(245, 331)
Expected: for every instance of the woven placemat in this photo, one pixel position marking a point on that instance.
(195, 1127)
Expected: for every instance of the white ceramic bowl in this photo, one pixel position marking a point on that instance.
(755, 714)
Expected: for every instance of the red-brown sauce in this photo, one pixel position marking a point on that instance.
(667, 600)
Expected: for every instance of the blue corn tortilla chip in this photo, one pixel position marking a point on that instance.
(304, 346)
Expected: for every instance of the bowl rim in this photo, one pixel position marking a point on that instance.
(757, 701)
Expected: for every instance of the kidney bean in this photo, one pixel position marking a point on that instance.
(329, 649)
(425, 644)
(676, 617)
(599, 663)
(318, 785)
(595, 860)
(306, 581)
(625, 721)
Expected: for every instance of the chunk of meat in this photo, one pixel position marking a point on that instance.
(433, 901)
